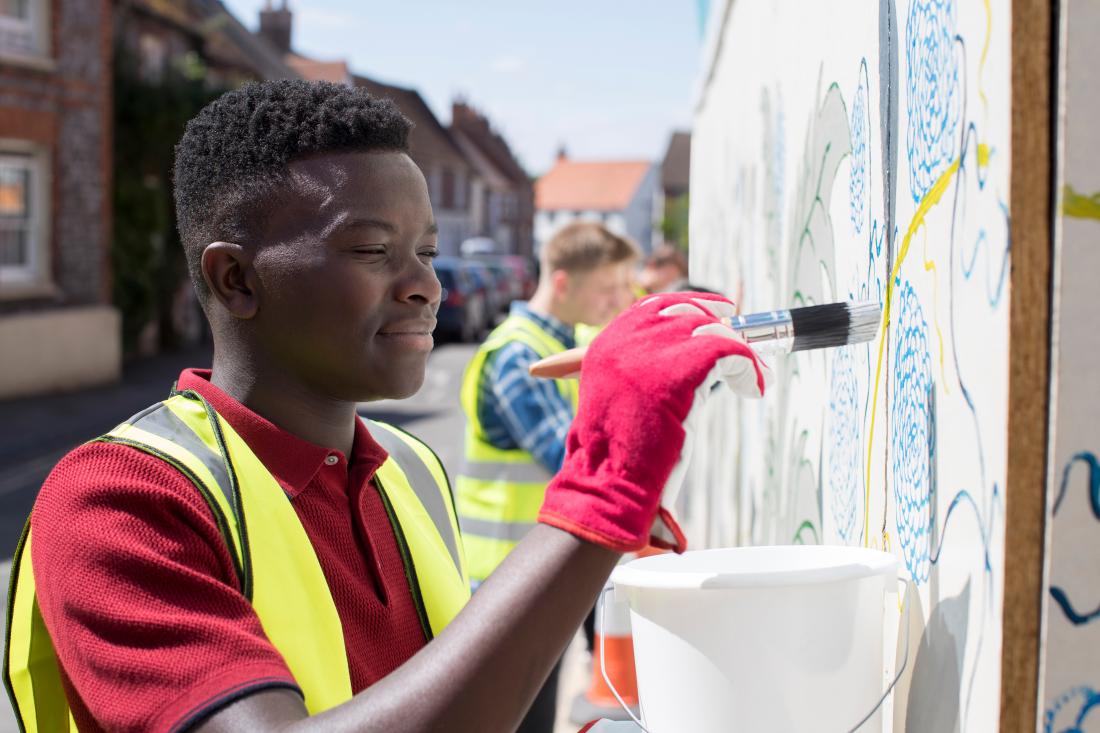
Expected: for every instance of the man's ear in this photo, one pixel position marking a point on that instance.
(559, 279)
(227, 269)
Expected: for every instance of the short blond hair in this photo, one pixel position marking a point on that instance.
(584, 246)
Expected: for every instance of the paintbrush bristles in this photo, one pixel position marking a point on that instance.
(865, 318)
(833, 324)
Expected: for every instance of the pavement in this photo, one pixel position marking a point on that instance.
(36, 432)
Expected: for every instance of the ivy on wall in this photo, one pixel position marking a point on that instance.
(149, 117)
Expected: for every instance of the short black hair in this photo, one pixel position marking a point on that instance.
(235, 152)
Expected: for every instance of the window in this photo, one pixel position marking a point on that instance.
(153, 56)
(23, 27)
(23, 239)
(447, 196)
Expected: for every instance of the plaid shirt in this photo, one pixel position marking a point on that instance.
(517, 410)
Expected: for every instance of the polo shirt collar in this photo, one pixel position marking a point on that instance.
(293, 461)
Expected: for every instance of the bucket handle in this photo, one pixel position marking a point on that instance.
(904, 661)
(897, 677)
(603, 664)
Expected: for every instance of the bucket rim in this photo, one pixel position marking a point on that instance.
(654, 572)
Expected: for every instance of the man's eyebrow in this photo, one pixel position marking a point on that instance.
(363, 223)
(433, 228)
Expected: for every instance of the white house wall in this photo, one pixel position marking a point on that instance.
(850, 150)
(638, 215)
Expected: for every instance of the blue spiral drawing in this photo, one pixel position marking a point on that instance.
(844, 441)
(912, 435)
(932, 103)
(1070, 712)
(858, 183)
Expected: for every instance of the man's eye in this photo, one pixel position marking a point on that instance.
(371, 250)
(430, 253)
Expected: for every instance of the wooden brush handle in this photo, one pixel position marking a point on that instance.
(566, 365)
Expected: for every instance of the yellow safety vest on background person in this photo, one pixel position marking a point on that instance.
(275, 563)
(499, 491)
(585, 334)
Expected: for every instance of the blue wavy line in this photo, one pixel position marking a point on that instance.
(1078, 618)
(993, 292)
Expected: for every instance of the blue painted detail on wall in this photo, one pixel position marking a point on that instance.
(1061, 597)
(844, 437)
(932, 102)
(1070, 712)
(912, 435)
(859, 185)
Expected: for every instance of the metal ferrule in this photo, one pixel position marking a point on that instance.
(771, 332)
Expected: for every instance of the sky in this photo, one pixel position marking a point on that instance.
(608, 79)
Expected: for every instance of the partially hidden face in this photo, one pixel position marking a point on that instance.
(597, 296)
(348, 294)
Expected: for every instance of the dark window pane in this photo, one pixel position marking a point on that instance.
(13, 248)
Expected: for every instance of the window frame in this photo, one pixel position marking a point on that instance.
(35, 277)
(37, 26)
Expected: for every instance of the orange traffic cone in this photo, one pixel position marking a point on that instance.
(613, 631)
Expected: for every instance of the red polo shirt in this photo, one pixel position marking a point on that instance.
(138, 591)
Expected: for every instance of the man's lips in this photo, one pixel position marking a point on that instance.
(417, 328)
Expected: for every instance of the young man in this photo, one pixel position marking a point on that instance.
(664, 271)
(516, 424)
(248, 554)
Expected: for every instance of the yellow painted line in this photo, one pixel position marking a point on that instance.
(981, 64)
(1080, 206)
(930, 199)
(930, 266)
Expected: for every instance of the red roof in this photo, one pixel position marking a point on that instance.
(590, 185)
(314, 70)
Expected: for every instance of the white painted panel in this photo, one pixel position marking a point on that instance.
(1071, 654)
(847, 150)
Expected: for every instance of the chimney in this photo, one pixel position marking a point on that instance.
(275, 26)
(562, 154)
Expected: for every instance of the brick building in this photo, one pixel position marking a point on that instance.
(449, 173)
(165, 34)
(57, 327)
(504, 202)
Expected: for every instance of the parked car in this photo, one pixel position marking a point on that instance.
(522, 279)
(508, 288)
(496, 288)
(463, 309)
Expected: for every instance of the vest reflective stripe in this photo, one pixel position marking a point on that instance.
(499, 491)
(439, 506)
(512, 531)
(505, 471)
(271, 550)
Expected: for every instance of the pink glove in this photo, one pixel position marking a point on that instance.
(643, 381)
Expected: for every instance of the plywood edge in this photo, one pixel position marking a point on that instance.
(1029, 359)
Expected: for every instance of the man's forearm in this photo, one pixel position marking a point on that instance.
(482, 672)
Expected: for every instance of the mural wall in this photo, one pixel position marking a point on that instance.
(1071, 658)
(860, 151)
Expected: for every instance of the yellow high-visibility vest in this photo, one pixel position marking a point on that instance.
(499, 491)
(271, 552)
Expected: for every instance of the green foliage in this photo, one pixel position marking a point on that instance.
(149, 117)
(674, 226)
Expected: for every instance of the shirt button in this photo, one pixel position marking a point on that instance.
(332, 460)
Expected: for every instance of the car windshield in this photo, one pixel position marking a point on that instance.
(446, 277)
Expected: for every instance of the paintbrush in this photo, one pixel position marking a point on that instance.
(771, 332)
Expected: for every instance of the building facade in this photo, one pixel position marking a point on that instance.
(625, 196)
(504, 200)
(58, 329)
(452, 178)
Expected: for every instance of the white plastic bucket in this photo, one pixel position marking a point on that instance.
(759, 639)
